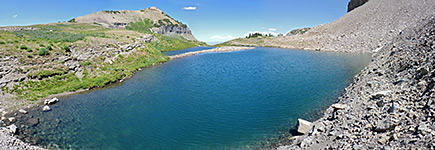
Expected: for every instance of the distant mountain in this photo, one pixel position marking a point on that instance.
(149, 20)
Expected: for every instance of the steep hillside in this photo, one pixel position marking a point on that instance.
(156, 21)
(363, 29)
(390, 104)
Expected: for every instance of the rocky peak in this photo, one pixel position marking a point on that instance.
(155, 19)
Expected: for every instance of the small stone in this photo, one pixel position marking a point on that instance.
(384, 125)
(338, 106)
(51, 101)
(304, 126)
(23, 111)
(46, 108)
(383, 139)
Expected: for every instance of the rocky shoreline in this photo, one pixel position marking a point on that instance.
(390, 104)
(217, 50)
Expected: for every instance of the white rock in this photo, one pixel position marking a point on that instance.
(304, 126)
(12, 128)
(46, 108)
(23, 111)
(51, 101)
(338, 106)
(380, 94)
(12, 119)
(376, 50)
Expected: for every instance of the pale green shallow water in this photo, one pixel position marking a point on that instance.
(229, 100)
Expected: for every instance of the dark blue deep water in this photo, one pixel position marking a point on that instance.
(229, 100)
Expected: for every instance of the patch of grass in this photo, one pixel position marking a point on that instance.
(2, 42)
(143, 26)
(46, 73)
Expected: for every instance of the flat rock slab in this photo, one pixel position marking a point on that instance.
(304, 126)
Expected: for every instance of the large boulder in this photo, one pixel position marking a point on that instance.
(304, 126)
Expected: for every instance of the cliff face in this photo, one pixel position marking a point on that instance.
(354, 4)
(168, 30)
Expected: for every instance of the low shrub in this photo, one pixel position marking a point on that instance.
(23, 47)
(43, 52)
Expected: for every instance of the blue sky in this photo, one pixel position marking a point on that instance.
(210, 20)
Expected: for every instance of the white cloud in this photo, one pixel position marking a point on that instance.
(189, 8)
(15, 16)
(222, 38)
(272, 29)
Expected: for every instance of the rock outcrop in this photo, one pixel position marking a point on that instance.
(354, 4)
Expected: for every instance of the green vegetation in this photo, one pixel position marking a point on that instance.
(48, 49)
(298, 31)
(61, 82)
(23, 47)
(165, 43)
(112, 12)
(256, 35)
(2, 42)
(46, 73)
(42, 52)
(72, 20)
(143, 26)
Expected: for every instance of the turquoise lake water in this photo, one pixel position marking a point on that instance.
(234, 100)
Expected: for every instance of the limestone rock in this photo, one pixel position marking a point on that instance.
(304, 126)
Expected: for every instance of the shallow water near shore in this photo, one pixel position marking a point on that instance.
(231, 100)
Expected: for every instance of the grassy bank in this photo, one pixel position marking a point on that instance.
(66, 57)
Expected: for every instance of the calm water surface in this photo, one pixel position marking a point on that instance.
(209, 101)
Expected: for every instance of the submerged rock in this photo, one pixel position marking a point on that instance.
(33, 121)
(304, 126)
(46, 108)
